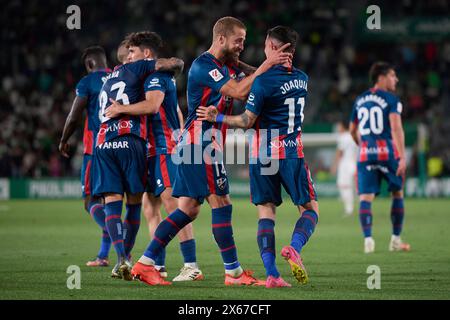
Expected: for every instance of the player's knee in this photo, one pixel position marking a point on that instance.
(397, 194)
(135, 198)
(189, 206)
(313, 205)
(367, 197)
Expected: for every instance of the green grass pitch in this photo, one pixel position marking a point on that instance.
(40, 239)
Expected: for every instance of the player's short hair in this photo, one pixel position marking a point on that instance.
(377, 69)
(225, 26)
(93, 52)
(146, 40)
(284, 35)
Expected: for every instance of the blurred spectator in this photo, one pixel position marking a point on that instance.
(40, 63)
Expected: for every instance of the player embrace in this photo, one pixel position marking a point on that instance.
(376, 126)
(275, 103)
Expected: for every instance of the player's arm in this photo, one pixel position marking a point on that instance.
(151, 104)
(337, 159)
(73, 119)
(398, 136)
(169, 65)
(246, 68)
(239, 90)
(180, 117)
(353, 128)
(244, 120)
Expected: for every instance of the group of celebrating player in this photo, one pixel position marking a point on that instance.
(134, 133)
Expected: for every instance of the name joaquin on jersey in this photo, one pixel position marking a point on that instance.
(294, 84)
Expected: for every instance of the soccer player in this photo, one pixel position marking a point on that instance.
(276, 103)
(87, 90)
(376, 126)
(120, 162)
(161, 104)
(345, 166)
(122, 52)
(211, 81)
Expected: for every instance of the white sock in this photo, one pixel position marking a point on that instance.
(395, 238)
(192, 265)
(147, 261)
(159, 267)
(235, 272)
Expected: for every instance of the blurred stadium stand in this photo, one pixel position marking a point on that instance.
(40, 64)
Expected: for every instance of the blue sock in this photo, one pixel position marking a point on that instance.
(161, 259)
(188, 250)
(397, 213)
(114, 226)
(303, 230)
(132, 221)
(223, 234)
(365, 217)
(266, 243)
(97, 212)
(165, 232)
(105, 245)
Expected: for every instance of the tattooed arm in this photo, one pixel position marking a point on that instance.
(245, 68)
(244, 120)
(172, 64)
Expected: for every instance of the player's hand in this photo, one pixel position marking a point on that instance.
(114, 110)
(207, 113)
(401, 170)
(280, 57)
(64, 149)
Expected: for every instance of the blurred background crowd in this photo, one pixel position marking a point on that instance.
(40, 63)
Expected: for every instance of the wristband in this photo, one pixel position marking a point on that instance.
(219, 118)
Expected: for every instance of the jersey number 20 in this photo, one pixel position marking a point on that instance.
(375, 117)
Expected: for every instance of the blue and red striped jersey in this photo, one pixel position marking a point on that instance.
(206, 77)
(89, 87)
(371, 114)
(278, 98)
(162, 125)
(124, 85)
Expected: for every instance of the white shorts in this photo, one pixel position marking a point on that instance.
(346, 174)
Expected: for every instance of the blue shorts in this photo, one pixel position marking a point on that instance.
(370, 175)
(161, 174)
(120, 165)
(198, 181)
(293, 174)
(86, 177)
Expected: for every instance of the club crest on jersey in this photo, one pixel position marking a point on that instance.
(216, 75)
(221, 183)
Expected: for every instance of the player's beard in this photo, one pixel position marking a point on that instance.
(231, 56)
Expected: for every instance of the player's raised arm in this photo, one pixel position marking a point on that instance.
(398, 137)
(170, 65)
(72, 121)
(240, 90)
